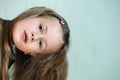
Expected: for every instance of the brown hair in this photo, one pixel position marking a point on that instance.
(52, 66)
(5, 50)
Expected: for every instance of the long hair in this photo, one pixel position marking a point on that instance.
(5, 50)
(52, 66)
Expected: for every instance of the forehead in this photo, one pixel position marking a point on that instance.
(54, 38)
(54, 34)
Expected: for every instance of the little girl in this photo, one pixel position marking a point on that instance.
(35, 43)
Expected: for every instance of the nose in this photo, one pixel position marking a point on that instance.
(35, 36)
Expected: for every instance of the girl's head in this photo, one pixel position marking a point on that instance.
(40, 30)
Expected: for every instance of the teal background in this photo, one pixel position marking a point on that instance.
(94, 52)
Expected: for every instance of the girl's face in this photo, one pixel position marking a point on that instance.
(38, 35)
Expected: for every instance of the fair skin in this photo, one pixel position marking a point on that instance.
(38, 35)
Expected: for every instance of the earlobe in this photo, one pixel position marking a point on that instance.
(32, 54)
(25, 53)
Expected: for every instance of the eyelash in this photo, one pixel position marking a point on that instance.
(41, 30)
(40, 43)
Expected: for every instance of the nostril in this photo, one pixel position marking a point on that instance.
(32, 39)
(32, 34)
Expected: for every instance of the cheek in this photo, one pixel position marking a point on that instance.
(32, 47)
(31, 26)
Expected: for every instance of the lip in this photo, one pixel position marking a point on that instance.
(25, 37)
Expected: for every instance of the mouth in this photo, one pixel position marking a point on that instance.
(25, 37)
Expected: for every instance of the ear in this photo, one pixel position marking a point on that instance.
(25, 53)
(32, 54)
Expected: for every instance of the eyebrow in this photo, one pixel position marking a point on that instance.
(46, 29)
(46, 44)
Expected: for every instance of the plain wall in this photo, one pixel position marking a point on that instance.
(95, 34)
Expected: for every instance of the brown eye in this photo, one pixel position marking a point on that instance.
(40, 43)
(40, 28)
